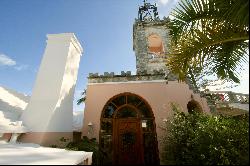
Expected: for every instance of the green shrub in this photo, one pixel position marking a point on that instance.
(200, 139)
(88, 145)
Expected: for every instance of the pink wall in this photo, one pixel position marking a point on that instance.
(6, 136)
(45, 139)
(158, 94)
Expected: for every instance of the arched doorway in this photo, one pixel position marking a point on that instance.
(194, 107)
(127, 131)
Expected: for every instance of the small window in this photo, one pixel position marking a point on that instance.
(106, 127)
(133, 100)
(126, 112)
(121, 100)
(145, 112)
(106, 142)
(109, 110)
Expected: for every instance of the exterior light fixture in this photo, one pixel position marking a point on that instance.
(90, 129)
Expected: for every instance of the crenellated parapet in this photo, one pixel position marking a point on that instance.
(125, 76)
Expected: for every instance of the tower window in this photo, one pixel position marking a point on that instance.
(155, 44)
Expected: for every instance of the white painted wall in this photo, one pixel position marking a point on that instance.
(51, 105)
(12, 100)
(12, 103)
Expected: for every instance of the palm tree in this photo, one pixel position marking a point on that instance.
(209, 34)
(83, 97)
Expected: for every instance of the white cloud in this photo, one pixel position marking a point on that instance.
(21, 67)
(6, 61)
(243, 87)
(164, 2)
(166, 6)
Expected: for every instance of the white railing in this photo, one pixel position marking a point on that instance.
(228, 97)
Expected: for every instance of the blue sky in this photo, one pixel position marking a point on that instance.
(103, 27)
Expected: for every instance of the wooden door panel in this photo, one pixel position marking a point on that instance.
(129, 142)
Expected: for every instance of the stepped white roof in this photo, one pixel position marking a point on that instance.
(34, 154)
(9, 126)
(13, 103)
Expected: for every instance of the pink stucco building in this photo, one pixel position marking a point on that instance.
(125, 112)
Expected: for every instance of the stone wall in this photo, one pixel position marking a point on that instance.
(144, 59)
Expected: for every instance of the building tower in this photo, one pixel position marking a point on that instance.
(150, 40)
(49, 113)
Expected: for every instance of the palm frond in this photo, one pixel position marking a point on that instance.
(195, 49)
(83, 97)
(194, 14)
(81, 100)
(202, 29)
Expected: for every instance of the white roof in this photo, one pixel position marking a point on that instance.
(9, 126)
(13, 103)
(33, 154)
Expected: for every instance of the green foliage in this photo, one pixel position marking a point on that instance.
(83, 98)
(85, 144)
(61, 143)
(88, 145)
(54, 146)
(64, 139)
(201, 139)
(210, 34)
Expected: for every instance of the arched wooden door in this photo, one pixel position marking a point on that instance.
(127, 137)
(127, 132)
